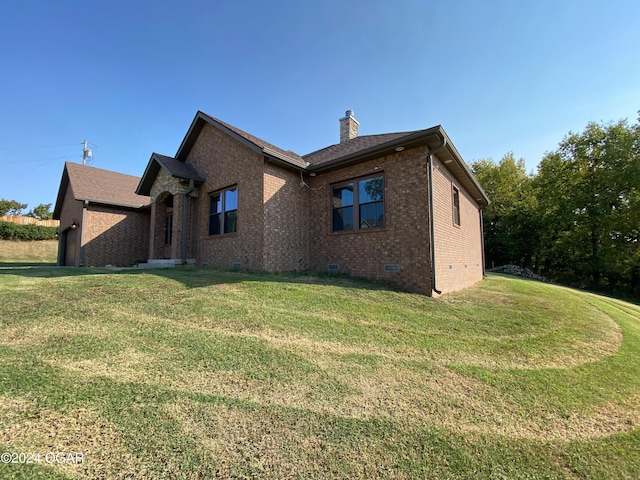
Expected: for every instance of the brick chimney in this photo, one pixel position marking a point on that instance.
(348, 127)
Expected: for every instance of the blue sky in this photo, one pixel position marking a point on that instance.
(129, 76)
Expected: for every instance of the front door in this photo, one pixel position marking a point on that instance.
(70, 246)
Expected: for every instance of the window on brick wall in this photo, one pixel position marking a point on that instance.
(358, 204)
(168, 228)
(223, 211)
(456, 206)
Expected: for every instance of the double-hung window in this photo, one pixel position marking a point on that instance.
(223, 211)
(358, 204)
(456, 206)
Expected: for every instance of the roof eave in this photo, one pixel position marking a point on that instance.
(64, 184)
(286, 162)
(144, 186)
(115, 204)
(481, 197)
(468, 179)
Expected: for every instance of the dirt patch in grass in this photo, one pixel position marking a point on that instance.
(29, 428)
(272, 443)
(601, 421)
(129, 365)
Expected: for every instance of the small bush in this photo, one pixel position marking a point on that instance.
(14, 231)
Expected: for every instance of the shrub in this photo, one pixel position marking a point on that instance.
(14, 231)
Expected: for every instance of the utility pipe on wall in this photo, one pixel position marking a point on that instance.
(430, 152)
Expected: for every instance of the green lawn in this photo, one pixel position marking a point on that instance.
(196, 373)
(17, 253)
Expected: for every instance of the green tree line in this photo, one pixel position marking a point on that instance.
(13, 207)
(577, 219)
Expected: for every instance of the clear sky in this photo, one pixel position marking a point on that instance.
(129, 76)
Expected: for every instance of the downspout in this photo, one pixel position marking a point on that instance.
(185, 213)
(431, 213)
(484, 273)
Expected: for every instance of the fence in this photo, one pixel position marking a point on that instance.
(29, 221)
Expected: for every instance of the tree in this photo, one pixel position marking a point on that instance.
(11, 207)
(42, 211)
(510, 220)
(589, 198)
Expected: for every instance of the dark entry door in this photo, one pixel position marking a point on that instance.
(70, 245)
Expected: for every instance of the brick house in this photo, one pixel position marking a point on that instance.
(102, 220)
(399, 207)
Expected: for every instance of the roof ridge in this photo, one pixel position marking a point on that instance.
(75, 165)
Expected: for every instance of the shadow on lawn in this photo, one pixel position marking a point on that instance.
(25, 264)
(197, 277)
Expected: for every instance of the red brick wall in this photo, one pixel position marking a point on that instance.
(405, 238)
(156, 229)
(226, 162)
(458, 248)
(115, 236)
(282, 226)
(286, 220)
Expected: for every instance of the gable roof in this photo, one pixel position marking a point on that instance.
(256, 144)
(99, 186)
(366, 147)
(175, 168)
(356, 150)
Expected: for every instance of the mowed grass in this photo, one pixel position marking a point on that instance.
(17, 253)
(197, 373)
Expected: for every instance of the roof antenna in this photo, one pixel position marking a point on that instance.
(86, 153)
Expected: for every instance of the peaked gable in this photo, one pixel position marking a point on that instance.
(256, 144)
(99, 186)
(174, 167)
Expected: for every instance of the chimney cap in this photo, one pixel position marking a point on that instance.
(349, 115)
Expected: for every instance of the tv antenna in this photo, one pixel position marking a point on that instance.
(86, 153)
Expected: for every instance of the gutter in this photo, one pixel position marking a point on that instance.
(284, 160)
(432, 229)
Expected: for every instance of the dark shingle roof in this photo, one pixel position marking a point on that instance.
(358, 149)
(179, 169)
(257, 144)
(99, 186)
(176, 168)
(352, 146)
(265, 146)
